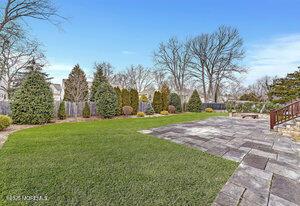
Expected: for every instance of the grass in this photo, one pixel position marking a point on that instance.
(109, 163)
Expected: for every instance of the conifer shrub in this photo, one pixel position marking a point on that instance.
(194, 103)
(33, 102)
(140, 114)
(106, 100)
(157, 102)
(125, 98)
(171, 109)
(127, 110)
(149, 110)
(165, 93)
(134, 100)
(61, 114)
(86, 112)
(5, 121)
(119, 95)
(164, 112)
(174, 100)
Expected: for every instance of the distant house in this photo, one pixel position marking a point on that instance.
(57, 92)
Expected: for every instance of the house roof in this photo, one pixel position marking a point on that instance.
(57, 87)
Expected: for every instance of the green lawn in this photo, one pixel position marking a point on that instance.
(109, 163)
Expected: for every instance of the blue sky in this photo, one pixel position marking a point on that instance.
(126, 32)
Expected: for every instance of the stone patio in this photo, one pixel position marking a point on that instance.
(269, 170)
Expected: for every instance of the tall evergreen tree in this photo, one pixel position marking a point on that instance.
(125, 97)
(99, 77)
(134, 101)
(33, 101)
(165, 92)
(157, 102)
(285, 90)
(194, 103)
(119, 95)
(76, 87)
(106, 100)
(175, 101)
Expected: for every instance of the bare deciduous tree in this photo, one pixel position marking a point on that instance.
(14, 10)
(16, 52)
(216, 58)
(174, 58)
(261, 87)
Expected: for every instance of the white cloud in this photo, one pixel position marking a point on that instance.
(276, 56)
(58, 72)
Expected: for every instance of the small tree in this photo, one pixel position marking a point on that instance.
(76, 87)
(125, 98)
(165, 92)
(194, 103)
(99, 78)
(119, 95)
(33, 102)
(157, 102)
(86, 112)
(62, 111)
(175, 101)
(106, 100)
(134, 100)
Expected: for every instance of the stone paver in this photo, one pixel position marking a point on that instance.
(269, 170)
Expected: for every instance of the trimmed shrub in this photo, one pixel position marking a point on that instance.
(175, 101)
(119, 95)
(5, 121)
(127, 110)
(140, 114)
(134, 100)
(125, 98)
(106, 101)
(86, 112)
(143, 98)
(164, 112)
(209, 110)
(61, 114)
(149, 110)
(171, 109)
(33, 102)
(157, 102)
(165, 93)
(194, 104)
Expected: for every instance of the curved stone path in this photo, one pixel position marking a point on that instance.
(269, 170)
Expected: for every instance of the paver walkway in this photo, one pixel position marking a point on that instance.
(269, 170)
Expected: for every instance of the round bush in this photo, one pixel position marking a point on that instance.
(175, 101)
(171, 109)
(140, 114)
(5, 121)
(106, 100)
(127, 110)
(209, 110)
(33, 102)
(164, 112)
(86, 112)
(62, 111)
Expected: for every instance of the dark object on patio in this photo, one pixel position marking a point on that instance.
(254, 116)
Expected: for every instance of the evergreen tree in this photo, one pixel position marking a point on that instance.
(33, 101)
(125, 98)
(157, 102)
(165, 92)
(175, 101)
(106, 100)
(76, 87)
(134, 101)
(119, 95)
(285, 90)
(194, 103)
(86, 112)
(62, 111)
(99, 77)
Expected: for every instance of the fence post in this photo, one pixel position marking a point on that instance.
(272, 119)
